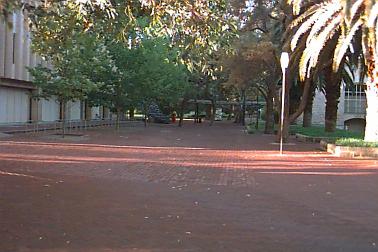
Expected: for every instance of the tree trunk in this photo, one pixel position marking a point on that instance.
(302, 104)
(182, 108)
(307, 113)
(196, 117)
(64, 105)
(212, 117)
(131, 113)
(286, 120)
(332, 95)
(145, 116)
(257, 111)
(209, 111)
(295, 99)
(118, 118)
(371, 130)
(331, 111)
(269, 115)
(243, 107)
(238, 115)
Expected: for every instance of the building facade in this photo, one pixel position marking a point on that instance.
(16, 103)
(351, 111)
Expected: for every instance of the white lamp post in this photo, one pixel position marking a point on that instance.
(284, 64)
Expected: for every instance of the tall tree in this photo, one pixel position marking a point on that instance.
(71, 79)
(255, 64)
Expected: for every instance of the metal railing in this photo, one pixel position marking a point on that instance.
(70, 125)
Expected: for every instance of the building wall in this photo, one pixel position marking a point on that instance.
(15, 55)
(344, 113)
(50, 110)
(14, 105)
(74, 110)
(15, 50)
(96, 113)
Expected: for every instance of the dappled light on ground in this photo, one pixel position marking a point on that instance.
(127, 160)
(2, 173)
(162, 188)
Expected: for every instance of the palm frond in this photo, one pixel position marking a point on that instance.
(296, 5)
(372, 19)
(362, 76)
(355, 10)
(343, 45)
(305, 27)
(329, 12)
(348, 74)
(304, 16)
(312, 51)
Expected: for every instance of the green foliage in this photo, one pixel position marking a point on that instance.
(355, 142)
(153, 44)
(318, 131)
(72, 78)
(148, 72)
(156, 74)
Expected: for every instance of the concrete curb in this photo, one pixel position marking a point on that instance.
(309, 139)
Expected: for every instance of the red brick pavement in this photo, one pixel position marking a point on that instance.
(305, 200)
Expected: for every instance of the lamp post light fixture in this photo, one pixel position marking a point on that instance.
(284, 64)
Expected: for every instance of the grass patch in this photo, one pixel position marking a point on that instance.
(355, 142)
(318, 131)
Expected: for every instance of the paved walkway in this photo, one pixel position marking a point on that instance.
(196, 188)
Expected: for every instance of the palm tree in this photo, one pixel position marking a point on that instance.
(354, 23)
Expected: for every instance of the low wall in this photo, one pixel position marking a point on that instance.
(351, 152)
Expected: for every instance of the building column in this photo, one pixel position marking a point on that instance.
(26, 55)
(19, 45)
(2, 46)
(9, 48)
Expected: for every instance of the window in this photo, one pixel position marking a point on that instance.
(355, 100)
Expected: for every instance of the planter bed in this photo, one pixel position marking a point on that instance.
(348, 151)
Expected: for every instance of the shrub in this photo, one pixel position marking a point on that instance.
(354, 142)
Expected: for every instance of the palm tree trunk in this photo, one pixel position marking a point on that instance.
(286, 119)
(331, 111)
(371, 130)
(332, 95)
(307, 113)
(371, 58)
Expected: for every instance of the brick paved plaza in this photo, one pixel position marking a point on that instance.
(196, 188)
